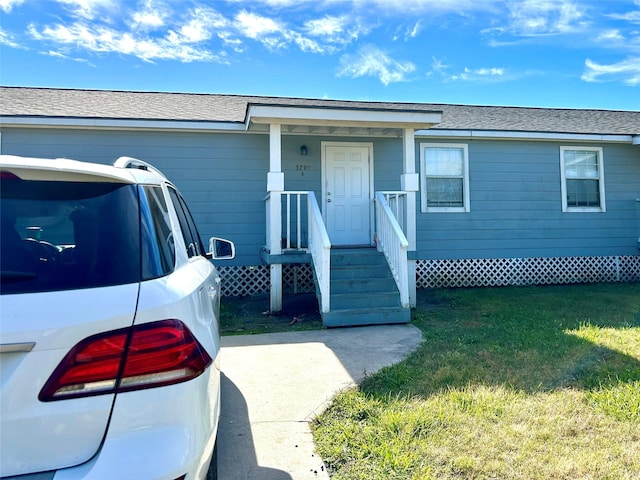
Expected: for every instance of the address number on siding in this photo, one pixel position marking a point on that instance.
(302, 168)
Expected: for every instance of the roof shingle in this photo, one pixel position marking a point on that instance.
(129, 105)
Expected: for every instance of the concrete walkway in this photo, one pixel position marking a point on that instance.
(274, 384)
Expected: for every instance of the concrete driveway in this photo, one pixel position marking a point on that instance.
(274, 384)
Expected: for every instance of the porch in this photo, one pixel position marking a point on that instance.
(370, 285)
(361, 285)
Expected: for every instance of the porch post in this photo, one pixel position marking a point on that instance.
(409, 183)
(275, 187)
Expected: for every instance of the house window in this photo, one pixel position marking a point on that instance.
(582, 174)
(445, 177)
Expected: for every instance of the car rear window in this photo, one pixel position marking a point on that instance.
(67, 235)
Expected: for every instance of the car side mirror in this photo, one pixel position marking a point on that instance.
(221, 249)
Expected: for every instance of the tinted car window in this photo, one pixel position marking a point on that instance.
(187, 225)
(67, 235)
(158, 244)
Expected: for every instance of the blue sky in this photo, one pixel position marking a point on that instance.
(548, 53)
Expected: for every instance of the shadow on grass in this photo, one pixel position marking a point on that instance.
(249, 315)
(530, 339)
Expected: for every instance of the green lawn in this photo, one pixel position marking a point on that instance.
(509, 383)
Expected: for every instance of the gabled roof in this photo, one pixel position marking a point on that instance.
(215, 108)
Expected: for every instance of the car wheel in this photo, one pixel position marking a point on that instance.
(212, 474)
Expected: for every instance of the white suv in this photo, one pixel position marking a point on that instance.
(109, 338)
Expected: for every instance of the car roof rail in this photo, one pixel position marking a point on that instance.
(130, 162)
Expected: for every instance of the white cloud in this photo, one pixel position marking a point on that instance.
(390, 7)
(255, 26)
(632, 16)
(373, 62)
(62, 56)
(150, 16)
(627, 71)
(546, 17)
(394, 7)
(201, 24)
(612, 35)
(336, 30)
(413, 33)
(8, 39)
(273, 3)
(328, 26)
(437, 67)
(89, 9)
(308, 45)
(7, 5)
(274, 34)
(106, 40)
(479, 74)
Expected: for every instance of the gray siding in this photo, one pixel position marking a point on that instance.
(387, 162)
(516, 207)
(514, 189)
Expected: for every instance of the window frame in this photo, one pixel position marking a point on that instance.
(190, 234)
(466, 202)
(153, 240)
(566, 208)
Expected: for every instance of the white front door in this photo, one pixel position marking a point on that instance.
(347, 193)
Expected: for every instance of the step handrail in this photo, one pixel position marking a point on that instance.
(320, 249)
(394, 244)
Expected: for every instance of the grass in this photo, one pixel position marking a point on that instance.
(250, 315)
(517, 383)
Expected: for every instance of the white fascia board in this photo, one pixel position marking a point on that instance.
(636, 140)
(117, 124)
(341, 117)
(506, 135)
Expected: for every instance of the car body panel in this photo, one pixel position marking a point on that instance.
(43, 436)
(68, 170)
(182, 443)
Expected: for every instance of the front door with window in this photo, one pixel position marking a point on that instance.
(347, 193)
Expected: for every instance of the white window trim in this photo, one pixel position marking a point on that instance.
(465, 181)
(563, 182)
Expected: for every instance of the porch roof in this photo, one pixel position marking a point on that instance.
(128, 109)
(338, 120)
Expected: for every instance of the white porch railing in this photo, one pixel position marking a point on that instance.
(397, 203)
(294, 208)
(393, 243)
(293, 233)
(320, 249)
(317, 241)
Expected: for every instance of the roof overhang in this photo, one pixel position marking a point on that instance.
(344, 121)
(117, 124)
(518, 135)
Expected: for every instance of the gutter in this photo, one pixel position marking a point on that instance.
(118, 124)
(518, 135)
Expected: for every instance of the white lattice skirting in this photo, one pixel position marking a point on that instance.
(526, 271)
(239, 281)
(485, 272)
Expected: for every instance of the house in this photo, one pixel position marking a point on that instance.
(449, 195)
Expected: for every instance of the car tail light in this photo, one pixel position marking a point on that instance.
(143, 356)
